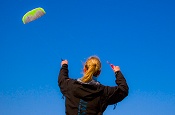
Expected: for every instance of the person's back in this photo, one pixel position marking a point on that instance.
(85, 96)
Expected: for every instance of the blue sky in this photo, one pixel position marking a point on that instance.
(136, 35)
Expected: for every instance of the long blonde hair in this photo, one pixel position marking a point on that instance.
(92, 67)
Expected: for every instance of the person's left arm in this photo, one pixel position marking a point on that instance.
(63, 77)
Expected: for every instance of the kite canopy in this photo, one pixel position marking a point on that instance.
(33, 15)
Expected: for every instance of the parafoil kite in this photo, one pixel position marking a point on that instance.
(33, 15)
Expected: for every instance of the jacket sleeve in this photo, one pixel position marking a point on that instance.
(63, 79)
(119, 92)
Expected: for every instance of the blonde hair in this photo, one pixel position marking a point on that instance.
(92, 67)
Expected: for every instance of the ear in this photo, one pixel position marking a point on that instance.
(84, 69)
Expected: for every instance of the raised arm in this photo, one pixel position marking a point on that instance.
(119, 92)
(63, 77)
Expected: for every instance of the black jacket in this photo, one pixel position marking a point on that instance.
(90, 99)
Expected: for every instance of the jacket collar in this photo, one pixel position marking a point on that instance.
(94, 81)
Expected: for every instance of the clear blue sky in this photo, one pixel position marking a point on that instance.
(137, 35)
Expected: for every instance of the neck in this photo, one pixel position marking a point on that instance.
(94, 78)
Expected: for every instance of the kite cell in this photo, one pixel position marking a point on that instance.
(33, 15)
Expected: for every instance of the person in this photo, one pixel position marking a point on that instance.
(86, 96)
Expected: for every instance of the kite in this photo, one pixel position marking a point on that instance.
(33, 15)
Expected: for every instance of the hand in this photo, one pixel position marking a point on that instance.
(64, 62)
(116, 68)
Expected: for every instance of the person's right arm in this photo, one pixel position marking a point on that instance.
(119, 92)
